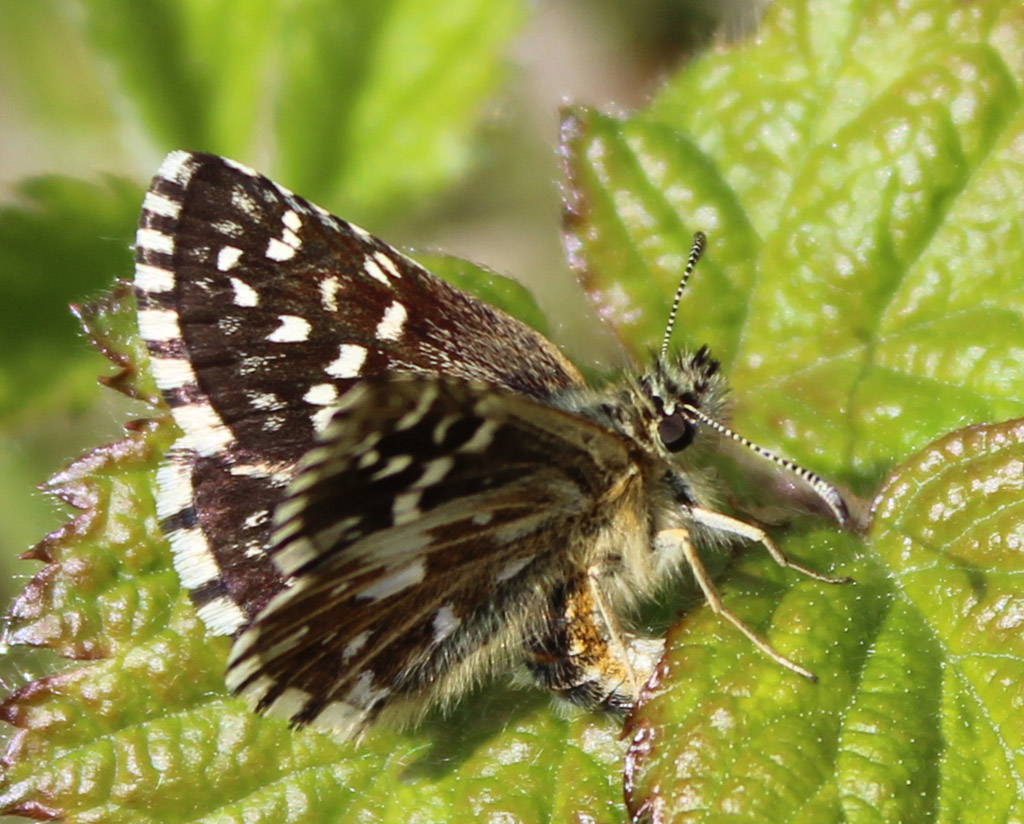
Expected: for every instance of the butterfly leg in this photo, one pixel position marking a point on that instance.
(638, 653)
(681, 539)
(723, 523)
(582, 654)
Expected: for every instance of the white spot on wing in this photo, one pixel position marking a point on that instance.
(292, 220)
(244, 202)
(150, 278)
(159, 324)
(193, 560)
(329, 288)
(257, 518)
(240, 167)
(283, 533)
(343, 718)
(252, 363)
(353, 647)
(228, 257)
(392, 467)
(243, 643)
(229, 325)
(289, 703)
(322, 417)
(277, 250)
(371, 268)
(204, 431)
(391, 325)
(177, 167)
(278, 474)
(241, 672)
(172, 373)
(415, 415)
(174, 482)
(231, 228)
(254, 691)
(245, 295)
(222, 616)
(321, 394)
(512, 568)
(352, 398)
(350, 360)
(387, 263)
(360, 231)
(363, 694)
(406, 507)
(293, 329)
(295, 556)
(442, 427)
(435, 471)
(481, 438)
(445, 623)
(368, 459)
(250, 470)
(161, 205)
(288, 509)
(264, 400)
(394, 582)
(154, 241)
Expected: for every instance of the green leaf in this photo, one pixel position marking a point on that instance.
(723, 727)
(917, 713)
(865, 267)
(367, 106)
(61, 240)
(64, 240)
(423, 71)
(869, 299)
(950, 525)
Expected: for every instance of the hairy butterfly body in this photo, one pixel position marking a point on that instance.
(385, 487)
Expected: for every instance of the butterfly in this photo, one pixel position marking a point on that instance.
(385, 488)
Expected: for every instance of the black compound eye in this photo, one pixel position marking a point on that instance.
(676, 432)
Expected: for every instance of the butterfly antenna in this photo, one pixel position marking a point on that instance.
(822, 488)
(700, 242)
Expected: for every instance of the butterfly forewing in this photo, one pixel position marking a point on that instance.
(260, 310)
(423, 531)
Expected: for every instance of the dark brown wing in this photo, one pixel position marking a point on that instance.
(420, 537)
(260, 310)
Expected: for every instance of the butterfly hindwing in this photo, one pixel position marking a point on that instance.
(418, 530)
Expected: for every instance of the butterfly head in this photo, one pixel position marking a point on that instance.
(679, 387)
(688, 393)
(683, 392)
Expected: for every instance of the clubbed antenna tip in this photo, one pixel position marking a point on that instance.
(822, 488)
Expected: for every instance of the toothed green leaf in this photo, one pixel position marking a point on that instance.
(859, 180)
